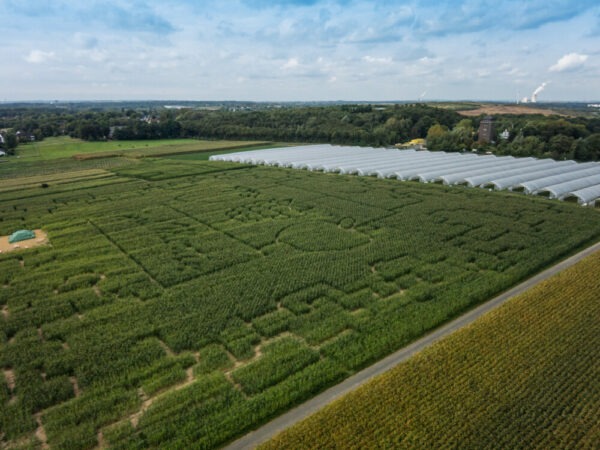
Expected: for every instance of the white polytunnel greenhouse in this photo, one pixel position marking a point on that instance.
(508, 178)
(556, 179)
(574, 173)
(561, 189)
(586, 196)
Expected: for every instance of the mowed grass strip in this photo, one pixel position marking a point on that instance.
(181, 147)
(524, 376)
(57, 168)
(61, 178)
(204, 155)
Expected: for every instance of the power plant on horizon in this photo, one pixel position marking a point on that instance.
(534, 96)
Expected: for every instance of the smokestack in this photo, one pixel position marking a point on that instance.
(537, 91)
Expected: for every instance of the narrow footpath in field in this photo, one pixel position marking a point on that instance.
(302, 411)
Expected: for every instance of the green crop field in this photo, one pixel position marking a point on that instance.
(205, 155)
(66, 147)
(524, 376)
(181, 303)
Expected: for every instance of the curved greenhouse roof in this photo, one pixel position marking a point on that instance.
(424, 169)
(534, 186)
(585, 196)
(560, 179)
(509, 178)
(561, 189)
(485, 171)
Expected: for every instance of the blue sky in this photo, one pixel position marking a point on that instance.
(299, 50)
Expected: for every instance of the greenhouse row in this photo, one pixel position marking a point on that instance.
(556, 179)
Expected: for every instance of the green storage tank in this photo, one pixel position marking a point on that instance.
(21, 235)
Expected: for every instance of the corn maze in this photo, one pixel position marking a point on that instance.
(181, 304)
(523, 376)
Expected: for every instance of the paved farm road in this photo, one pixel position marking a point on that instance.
(270, 429)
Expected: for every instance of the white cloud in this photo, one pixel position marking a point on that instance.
(259, 50)
(39, 56)
(291, 63)
(94, 55)
(377, 60)
(568, 62)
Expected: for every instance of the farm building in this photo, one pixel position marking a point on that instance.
(556, 179)
(486, 129)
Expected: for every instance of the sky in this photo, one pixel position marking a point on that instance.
(299, 50)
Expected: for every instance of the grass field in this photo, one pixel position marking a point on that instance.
(21, 169)
(455, 106)
(524, 376)
(206, 154)
(181, 303)
(66, 147)
(53, 157)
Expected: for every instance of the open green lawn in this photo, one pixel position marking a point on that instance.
(182, 303)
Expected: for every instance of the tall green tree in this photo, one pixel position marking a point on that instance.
(10, 142)
(560, 146)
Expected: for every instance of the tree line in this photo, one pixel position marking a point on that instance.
(362, 124)
(519, 135)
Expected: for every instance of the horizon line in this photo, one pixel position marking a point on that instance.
(439, 100)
